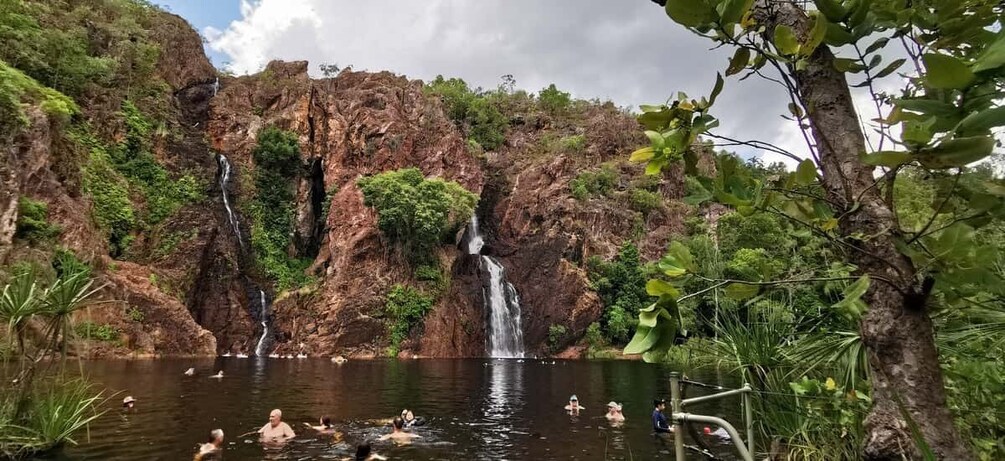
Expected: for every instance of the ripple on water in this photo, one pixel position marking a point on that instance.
(475, 409)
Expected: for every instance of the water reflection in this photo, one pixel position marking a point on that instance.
(503, 402)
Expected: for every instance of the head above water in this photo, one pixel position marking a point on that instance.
(407, 415)
(216, 436)
(326, 422)
(362, 451)
(128, 402)
(614, 406)
(398, 423)
(660, 403)
(275, 417)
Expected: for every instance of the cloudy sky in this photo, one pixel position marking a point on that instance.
(626, 51)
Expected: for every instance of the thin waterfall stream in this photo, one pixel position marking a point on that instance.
(263, 312)
(505, 337)
(224, 182)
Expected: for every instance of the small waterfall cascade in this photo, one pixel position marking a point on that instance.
(224, 182)
(505, 338)
(261, 347)
(216, 86)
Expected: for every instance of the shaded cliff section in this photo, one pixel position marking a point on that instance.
(144, 295)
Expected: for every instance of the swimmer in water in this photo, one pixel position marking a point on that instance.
(398, 433)
(614, 414)
(212, 447)
(411, 420)
(326, 426)
(128, 403)
(573, 407)
(276, 431)
(365, 453)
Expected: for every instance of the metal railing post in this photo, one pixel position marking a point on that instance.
(675, 406)
(749, 414)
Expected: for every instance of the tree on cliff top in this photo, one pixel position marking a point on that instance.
(416, 212)
(944, 112)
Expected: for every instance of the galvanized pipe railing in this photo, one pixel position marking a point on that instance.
(678, 417)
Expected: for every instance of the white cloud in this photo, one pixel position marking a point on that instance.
(627, 51)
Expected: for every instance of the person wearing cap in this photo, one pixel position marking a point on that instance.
(573, 407)
(128, 403)
(614, 414)
(660, 423)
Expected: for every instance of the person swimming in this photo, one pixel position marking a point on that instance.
(660, 423)
(218, 375)
(573, 407)
(614, 413)
(276, 431)
(398, 433)
(212, 446)
(325, 427)
(411, 420)
(128, 403)
(365, 453)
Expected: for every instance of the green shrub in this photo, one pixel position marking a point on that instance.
(53, 412)
(135, 314)
(109, 193)
(277, 165)
(67, 264)
(473, 110)
(427, 273)
(416, 212)
(553, 100)
(575, 143)
(600, 182)
(100, 332)
(556, 334)
(621, 285)
(405, 308)
(594, 337)
(644, 201)
(33, 221)
(17, 88)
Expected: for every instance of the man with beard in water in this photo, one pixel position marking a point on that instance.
(276, 431)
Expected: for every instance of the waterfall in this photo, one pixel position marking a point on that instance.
(216, 86)
(224, 180)
(505, 338)
(260, 348)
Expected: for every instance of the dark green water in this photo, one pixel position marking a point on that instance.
(476, 409)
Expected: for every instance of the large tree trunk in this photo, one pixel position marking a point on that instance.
(897, 331)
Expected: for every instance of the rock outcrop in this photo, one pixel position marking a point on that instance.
(191, 285)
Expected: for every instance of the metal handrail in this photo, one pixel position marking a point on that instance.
(677, 404)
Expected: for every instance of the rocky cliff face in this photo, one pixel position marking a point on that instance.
(191, 284)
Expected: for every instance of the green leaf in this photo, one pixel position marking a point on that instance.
(681, 256)
(833, 9)
(657, 287)
(644, 339)
(859, 13)
(785, 40)
(741, 291)
(877, 45)
(733, 10)
(655, 166)
(848, 65)
(993, 56)
(980, 122)
(889, 159)
(851, 296)
(642, 155)
(817, 33)
(838, 35)
(691, 13)
(656, 138)
(806, 172)
(648, 319)
(739, 61)
(957, 152)
(716, 89)
(927, 107)
(946, 72)
(917, 133)
(890, 68)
